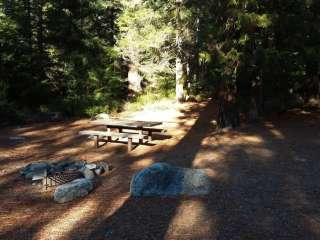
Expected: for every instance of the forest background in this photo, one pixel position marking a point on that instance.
(83, 57)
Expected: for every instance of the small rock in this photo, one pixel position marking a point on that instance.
(106, 167)
(91, 166)
(87, 173)
(162, 179)
(99, 170)
(73, 190)
(214, 123)
(102, 167)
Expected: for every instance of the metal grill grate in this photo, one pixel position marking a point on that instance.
(59, 178)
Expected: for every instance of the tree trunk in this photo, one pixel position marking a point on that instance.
(40, 28)
(228, 115)
(318, 94)
(180, 81)
(134, 79)
(28, 24)
(196, 55)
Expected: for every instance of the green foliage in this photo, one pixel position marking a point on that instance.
(60, 54)
(146, 39)
(146, 99)
(72, 56)
(266, 51)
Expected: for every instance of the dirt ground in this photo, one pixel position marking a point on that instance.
(266, 181)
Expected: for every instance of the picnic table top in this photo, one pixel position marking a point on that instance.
(116, 122)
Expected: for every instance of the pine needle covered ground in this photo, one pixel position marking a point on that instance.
(266, 178)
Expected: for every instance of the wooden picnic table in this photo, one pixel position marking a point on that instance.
(120, 125)
(123, 124)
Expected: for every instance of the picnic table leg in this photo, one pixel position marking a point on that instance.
(119, 131)
(149, 136)
(109, 131)
(96, 141)
(45, 181)
(140, 136)
(129, 144)
(51, 182)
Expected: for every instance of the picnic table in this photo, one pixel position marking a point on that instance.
(121, 126)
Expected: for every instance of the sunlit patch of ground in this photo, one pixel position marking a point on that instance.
(266, 180)
(192, 221)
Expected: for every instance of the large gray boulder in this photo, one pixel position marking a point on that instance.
(72, 190)
(162, 179)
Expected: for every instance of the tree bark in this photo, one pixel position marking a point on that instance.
(134, 79)
(228, 115)
(40, 28)
(180, 81)
(28, 24)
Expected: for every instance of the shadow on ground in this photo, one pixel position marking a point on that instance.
(266, 187)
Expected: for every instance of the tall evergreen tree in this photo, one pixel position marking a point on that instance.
(72, 56)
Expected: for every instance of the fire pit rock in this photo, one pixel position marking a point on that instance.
(76, 189)
(102, 167)
(63, 171)
(39, 170)
(36, 171)
(69, 165)
(164, 180)
(87, 173)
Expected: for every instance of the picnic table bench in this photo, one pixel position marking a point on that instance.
(122, 125)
